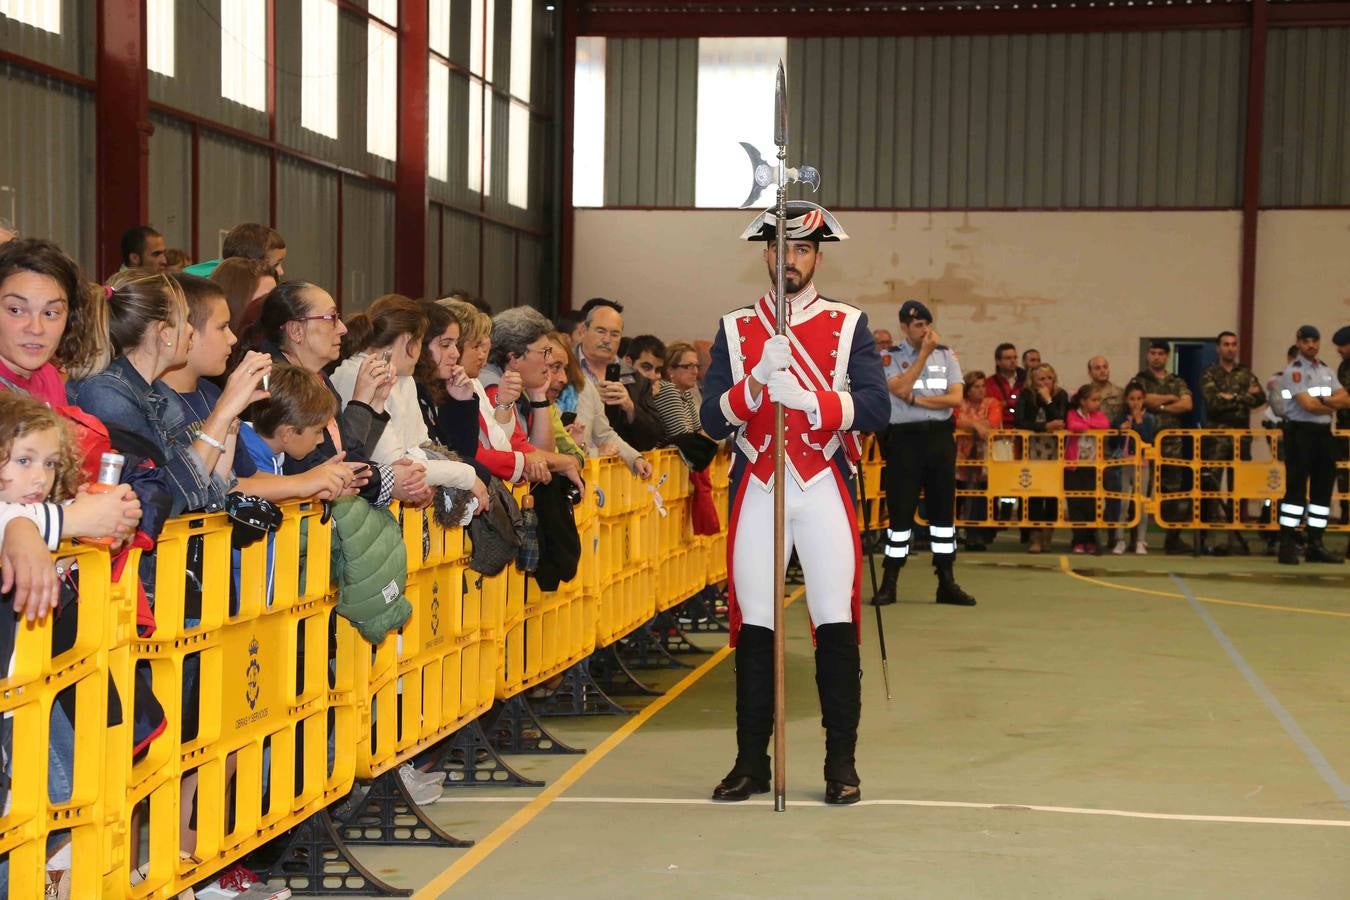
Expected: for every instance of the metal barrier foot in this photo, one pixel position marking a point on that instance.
(646, 650)
(578, 694)
(518, 730)
(672, 636)
(611, 670)
(317, 862)
(469, 760)
(388, 817)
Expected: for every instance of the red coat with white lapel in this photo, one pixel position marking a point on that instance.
(834, 356)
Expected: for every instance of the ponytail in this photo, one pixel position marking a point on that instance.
(389, 317)
(284, 303)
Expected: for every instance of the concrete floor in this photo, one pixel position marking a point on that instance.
(1114, 702)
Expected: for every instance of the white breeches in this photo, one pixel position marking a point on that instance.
(817, 524)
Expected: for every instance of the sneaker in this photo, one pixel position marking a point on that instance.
(1119, 548)
(1092, 548)
(1141, 548)
(238, 883)
(1079, 548)
(409, 773)
(420, 791)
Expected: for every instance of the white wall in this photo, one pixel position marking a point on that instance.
(1302, 276)
(1072, 284)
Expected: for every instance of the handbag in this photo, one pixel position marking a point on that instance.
(495, 533)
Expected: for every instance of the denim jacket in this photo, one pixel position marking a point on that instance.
(122, 399)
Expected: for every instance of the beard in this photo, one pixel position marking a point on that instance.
(793, 280)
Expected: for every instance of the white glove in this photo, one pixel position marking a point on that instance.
(784, 388)
(777, 356)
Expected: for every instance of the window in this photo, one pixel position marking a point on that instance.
(480, 139)
(159, 37)
(382, 81)
(588, 124)
(438, 26)
(736, 78)
(243, 52)
(318, 67)
(522, 47)
(518, 156)
(438, 120)
(44, 14)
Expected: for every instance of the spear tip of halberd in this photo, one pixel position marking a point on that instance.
(780, 127)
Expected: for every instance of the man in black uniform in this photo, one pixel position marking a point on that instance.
(1312, 397)
(1342, 341)
(925, 382)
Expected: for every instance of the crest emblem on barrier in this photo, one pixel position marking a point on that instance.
(252, 690)
(1024, 478)
(1273, 478)
(435, 608)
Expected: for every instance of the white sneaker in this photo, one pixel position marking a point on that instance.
(1119, 548)
(1141, 548)
(421, 792)
(409, 772)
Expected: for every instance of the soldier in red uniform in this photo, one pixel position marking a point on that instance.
(827, 374)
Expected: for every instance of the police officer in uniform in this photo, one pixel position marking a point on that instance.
(1312, 395)
(924, 378)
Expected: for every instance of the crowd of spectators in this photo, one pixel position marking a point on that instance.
(225, 385)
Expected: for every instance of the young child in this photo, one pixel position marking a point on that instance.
(1144, 424)
(39, 468)
(1085, 414)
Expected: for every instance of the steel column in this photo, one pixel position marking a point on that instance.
(122, 123)
(1251, 177)
(410, 170)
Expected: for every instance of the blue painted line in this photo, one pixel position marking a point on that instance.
(1291, 727)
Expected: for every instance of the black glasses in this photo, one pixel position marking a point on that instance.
(692, 365)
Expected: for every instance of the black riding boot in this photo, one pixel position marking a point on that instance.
(885, 592)
(754, 716)
(839, 681)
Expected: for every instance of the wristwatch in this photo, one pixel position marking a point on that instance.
(539, 404)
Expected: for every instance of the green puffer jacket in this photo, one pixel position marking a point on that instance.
(370, 566)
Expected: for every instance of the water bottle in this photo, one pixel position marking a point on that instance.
(109, 476)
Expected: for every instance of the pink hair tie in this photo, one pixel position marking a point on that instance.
(107, 291)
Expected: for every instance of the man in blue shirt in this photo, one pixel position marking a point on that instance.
(925, 382)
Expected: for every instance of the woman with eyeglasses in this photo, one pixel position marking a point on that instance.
(392, 330)
(675, 403)
(521, 352)
(299, 324)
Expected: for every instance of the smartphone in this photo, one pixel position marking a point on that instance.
(386, 355)
(612, 372)
(568, 418)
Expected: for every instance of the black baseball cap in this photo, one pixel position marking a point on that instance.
(913, 309)
(1308, 331)
(1342, 336)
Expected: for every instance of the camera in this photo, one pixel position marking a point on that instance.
(572, 493)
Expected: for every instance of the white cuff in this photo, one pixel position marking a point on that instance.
(519, 469)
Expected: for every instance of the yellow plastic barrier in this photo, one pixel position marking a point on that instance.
(259, 695)
(27, 698)
(1187, 479)
(290, 704)
(1225, 479)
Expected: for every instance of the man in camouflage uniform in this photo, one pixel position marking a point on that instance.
(1167, 396)
(1231, 391)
